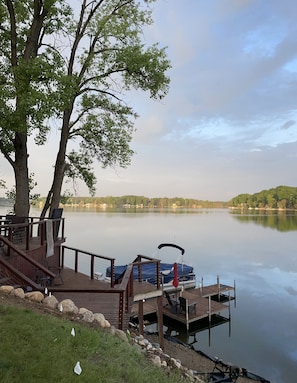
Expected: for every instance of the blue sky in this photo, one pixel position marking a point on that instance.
(229, 122)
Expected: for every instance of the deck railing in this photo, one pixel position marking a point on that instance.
(11, 272)
(93, 257)
(139, 263)
(124, 292)
(21, 230)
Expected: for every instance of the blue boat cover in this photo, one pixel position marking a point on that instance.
(149, 272)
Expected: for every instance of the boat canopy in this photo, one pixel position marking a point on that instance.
(149, 272)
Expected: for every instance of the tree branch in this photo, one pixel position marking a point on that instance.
(13, 34)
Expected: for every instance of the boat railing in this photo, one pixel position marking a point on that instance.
(93, 258)
(27, 231)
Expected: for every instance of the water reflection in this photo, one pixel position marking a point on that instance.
(279, 220)
(177, 332)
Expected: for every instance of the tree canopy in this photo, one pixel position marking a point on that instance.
(73, 67)
(281, 197)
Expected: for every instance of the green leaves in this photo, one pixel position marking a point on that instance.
(75, 67)
(145, 69)
(79, 165)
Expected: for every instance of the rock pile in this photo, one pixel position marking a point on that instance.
(66, 306)
(157, 357)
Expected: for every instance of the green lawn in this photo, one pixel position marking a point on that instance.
(40, 348)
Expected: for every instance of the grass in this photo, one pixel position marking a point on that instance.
(40, 348)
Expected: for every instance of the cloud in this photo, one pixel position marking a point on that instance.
(286, 125)
(227, 125)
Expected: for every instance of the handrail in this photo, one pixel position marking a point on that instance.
(92, 261)
(139, 263)
(26, 257)
(19, 275)
(9, 228)
(127, 285)
(124, 291)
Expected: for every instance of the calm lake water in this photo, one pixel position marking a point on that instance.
(256, 250)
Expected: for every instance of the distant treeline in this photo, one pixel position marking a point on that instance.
(139, 202)
(281, 197)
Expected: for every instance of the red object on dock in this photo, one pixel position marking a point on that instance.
(175, 275)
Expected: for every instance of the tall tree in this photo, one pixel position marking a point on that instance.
(105, 59)
(27, 78)
(74, 66)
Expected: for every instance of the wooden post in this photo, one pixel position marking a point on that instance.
(219, 288)
(160, 321)
(63, 256)
(92, 266)
(234, 294)
(140, 316)
(187, 314)
(112, 276)
(76, 261)
(201, 286)
(229, 315)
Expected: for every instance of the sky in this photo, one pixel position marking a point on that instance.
(229, 122)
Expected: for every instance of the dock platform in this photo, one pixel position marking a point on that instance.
(201, 303)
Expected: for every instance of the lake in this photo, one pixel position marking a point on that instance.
(257, 250)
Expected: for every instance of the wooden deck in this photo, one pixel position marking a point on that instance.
(202, 307)
(217, 290)
(98, 295)
(106, 300)
(92, 294)
(205, 307)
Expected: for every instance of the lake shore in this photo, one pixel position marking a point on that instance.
(192, 359)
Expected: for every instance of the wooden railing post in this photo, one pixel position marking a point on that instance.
(42, 234)
(112, 281)
(27, 228)
(92, 267)
(63, 257)
(140, 316)
(63, 223)
(158, 274)
(160, 321)
(76, 261)
(121, 310)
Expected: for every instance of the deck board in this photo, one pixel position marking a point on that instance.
(215, 289)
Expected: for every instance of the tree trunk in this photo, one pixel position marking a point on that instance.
(58, 180)
(22, 89)
(22, 205)
(55, 191)
(46, 205)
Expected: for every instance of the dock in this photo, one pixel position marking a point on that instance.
(204, 302)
